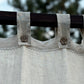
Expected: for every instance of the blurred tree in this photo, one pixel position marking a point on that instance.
(3, 34)
(47, 6)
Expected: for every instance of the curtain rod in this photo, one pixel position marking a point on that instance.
(39, 19)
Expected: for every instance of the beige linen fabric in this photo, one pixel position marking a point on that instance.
(47, 62)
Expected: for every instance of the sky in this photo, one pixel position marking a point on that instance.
(4, 6)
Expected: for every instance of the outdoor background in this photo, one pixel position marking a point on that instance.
(42, 6)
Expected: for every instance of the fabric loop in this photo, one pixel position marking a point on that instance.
(23, 28)
(63, 30)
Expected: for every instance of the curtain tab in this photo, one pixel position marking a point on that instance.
(23, 28)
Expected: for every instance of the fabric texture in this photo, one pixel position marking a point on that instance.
(23, 28)
(56, 61)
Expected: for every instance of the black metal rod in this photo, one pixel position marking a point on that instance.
(38, 19)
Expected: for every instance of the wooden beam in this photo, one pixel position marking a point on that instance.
(38, 19)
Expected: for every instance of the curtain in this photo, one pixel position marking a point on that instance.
(25, 60)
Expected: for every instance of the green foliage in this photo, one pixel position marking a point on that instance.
(5, 30)
(47, 6)
(39, 33)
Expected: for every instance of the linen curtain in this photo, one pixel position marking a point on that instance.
(25, 60)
